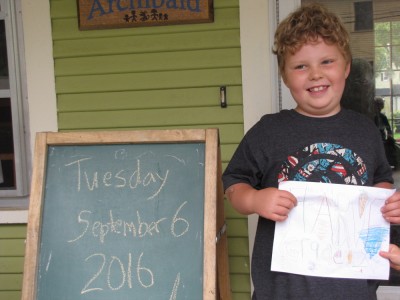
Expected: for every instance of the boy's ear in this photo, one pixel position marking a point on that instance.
(283, 77)
(347, 70)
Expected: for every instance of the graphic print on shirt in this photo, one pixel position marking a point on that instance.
(324, 162)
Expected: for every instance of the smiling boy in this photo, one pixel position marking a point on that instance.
(318, 141)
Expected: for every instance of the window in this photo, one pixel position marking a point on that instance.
(387, 62)
(13, 152)
(363, 15)
(384, 76)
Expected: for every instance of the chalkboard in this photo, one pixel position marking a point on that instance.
(123, 215)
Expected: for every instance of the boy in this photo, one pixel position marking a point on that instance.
(317, 141)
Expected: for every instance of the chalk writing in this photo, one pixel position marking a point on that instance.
(174, 292)
(144, 276)
(136, 229)
(123, 178)
(126, 222)
(48, 262)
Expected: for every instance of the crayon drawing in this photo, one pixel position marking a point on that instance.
(334, 231)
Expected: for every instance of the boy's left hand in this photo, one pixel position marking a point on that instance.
(391, 209)
(393, 255)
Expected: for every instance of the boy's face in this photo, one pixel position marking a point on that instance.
(316, 76)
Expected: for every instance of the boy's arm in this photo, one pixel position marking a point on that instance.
(270, 203)
(241, 195)
(385, 185)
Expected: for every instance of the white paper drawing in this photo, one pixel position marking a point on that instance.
(335, 231)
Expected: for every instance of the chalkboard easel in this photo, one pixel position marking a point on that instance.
(127, 215)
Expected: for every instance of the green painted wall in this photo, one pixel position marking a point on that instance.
(12, 248)
(146, 78)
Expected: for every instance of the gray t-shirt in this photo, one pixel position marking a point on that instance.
(345, 148)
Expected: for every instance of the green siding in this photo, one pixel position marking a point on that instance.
(158, 77)
(149, 62)
(12, 249)
(10, 295)
(145, 44)
(147, 118)
(205, 96)
(149, 81)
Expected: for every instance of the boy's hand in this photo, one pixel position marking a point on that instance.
(393, 255)
(391, 209)
(274, 204)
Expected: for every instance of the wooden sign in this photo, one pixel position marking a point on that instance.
(103, 14)
(126, 215)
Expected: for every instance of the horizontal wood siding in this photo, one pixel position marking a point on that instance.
(12, 249)
(158, 77)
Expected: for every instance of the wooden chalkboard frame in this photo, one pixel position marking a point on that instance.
(215, 262)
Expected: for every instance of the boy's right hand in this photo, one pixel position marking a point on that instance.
(270, 203)
(274, 204)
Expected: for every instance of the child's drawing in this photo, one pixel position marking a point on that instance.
(334, 231)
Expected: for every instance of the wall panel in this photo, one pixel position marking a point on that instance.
(12, 250)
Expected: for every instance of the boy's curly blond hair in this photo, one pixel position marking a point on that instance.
(307, 24)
